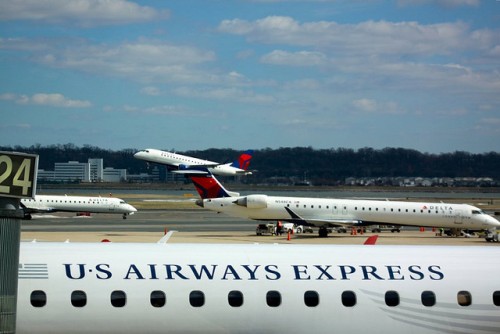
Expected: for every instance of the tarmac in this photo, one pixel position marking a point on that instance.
(427, 237)
(195, 225)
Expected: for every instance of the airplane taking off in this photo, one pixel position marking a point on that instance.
(251, 288)
(327, 212)
(54, 203)
(188, 165)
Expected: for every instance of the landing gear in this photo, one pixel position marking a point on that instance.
(124, 216)
(323, 232)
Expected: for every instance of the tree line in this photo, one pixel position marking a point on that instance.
(317, 165)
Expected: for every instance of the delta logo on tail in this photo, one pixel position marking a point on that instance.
(208, 186)
(243, 161)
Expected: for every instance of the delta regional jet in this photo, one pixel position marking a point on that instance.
(251, 288)
(54, 203)
(326, 212)
(188, 165)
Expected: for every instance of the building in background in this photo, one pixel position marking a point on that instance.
(75, 172)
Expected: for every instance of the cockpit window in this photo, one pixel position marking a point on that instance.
(477, 212)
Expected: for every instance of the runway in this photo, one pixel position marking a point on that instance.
(143, 221)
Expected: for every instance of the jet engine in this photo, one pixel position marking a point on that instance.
(253, 201)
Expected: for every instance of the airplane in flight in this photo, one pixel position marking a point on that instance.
(184, 164)
(256, 288)
(329, 212)
(54, 203)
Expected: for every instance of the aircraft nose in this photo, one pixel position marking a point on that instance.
(493, 221)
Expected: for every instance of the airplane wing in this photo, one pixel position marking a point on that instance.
(37, 210)
(190, 172)
(183, 166)
(321, 221)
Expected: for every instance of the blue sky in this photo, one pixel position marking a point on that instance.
(192, 75)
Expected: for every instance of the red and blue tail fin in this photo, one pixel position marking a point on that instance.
(243, 161)
(209, 187)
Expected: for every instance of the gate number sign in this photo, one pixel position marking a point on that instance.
(18, 173)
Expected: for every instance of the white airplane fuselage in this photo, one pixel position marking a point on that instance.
(213, 288)
(62, 203)
(175, 160)
(326, 211)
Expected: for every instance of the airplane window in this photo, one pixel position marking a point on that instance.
(118, 298)
(428, 298)
(496, 298)
(158, 298)
(311, 298)
(391, 298)
(78, 298)
(235, 298)
(38, 298)
(464, 298)
(197, 298)
(273, 298)
(348, 298)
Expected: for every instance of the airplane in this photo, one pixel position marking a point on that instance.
(183, 164)
(256, 288)
(54, 203)
(329, 212)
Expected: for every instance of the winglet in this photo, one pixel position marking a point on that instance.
(371, 240)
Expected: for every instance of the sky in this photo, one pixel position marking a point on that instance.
(198, 74)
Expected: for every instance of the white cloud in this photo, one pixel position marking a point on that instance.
(151, 91)
(43, 99)
(373, 106)
(142, 60)
(166, 110)
(79, 12)
(300, 58)
(365, 38)
(227, 94)
(444, 3)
